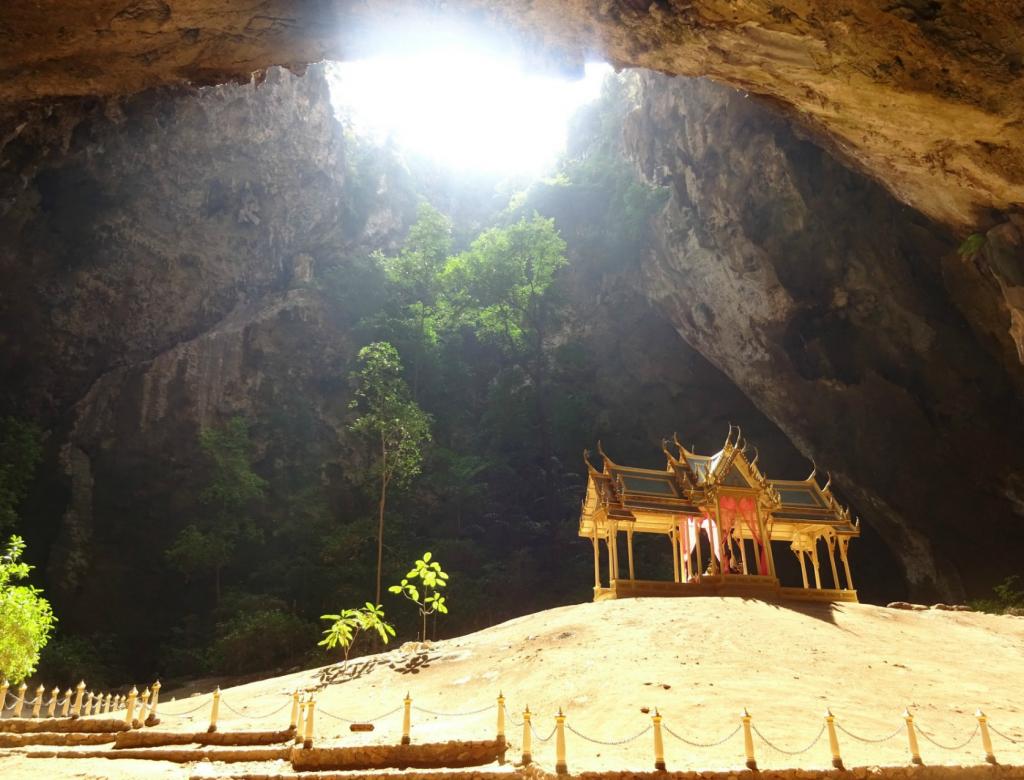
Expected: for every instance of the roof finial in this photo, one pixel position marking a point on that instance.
(828, 482)
(664, 448)
(607, 461)
(757, 455)
(814, 472)
(586, 459)
(679, 445)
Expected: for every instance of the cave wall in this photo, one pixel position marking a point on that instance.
(163, 278)
(183, 260)
(824, 300)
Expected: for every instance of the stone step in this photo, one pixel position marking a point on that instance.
(56, 738)
(176, 755)
(61, 725)
(413, 774)
(149, 738)
(436, 755)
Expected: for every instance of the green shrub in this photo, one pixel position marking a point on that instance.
(68, 659)
(259, 641)
(26, 619)
(1008, 599)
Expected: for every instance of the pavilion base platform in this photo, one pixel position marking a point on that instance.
(742, 585)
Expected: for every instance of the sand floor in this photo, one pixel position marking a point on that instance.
(699, 661)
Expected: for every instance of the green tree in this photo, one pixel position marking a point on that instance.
(392, 424)
(208, 546)
(349, 623)
(26, 619)
(501, 285)
(426, 595)
(20, 452)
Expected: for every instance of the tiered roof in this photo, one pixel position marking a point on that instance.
(690, 483)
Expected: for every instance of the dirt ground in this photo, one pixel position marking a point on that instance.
(698, 661)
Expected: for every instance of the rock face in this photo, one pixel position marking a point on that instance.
(822, 298)
(166, 274)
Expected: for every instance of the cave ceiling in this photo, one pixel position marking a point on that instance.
(927, 96)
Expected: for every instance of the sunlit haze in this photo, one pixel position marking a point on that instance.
(461, 103)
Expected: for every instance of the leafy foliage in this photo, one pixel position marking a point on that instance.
(349, 623)
(390, 422)
(427, 594)
(254, 641)
(972, 245)
(26, 619)
(499, 284)
(1008, 598)
(20, 452)
(206, 547)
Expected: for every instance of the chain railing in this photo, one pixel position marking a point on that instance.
(134, 708)
(607, 743)
(941, 746)
(696, 744)
(454, 714)
(342, 718)
(783, 750)
(869, 740)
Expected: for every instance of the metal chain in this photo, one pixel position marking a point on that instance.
(454, 714)
(256, 717)
(164, 712)
(538, 737)
(962, 745)
(612, 743)
(691, 743)
(994, 730)
(785, 752)
(320, 711)
(868, 740)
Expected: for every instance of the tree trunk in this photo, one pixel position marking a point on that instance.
(380, 523)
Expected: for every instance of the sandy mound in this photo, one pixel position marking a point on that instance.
(699, 661)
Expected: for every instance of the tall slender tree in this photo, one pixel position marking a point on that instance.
(392, 424)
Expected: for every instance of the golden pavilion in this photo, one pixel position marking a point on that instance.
(721, 516)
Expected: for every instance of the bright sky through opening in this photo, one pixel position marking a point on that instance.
(449, 98)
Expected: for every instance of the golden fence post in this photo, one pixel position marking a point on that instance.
(659, 744)
(561, 767)
(76, 710)
(109, 703)
(129, 707)
(21, 700)
(88, 703)
(307, 743)
(38, 703)
(833, 739)
(986, 740)
(500, 739)
(748, 741)
(143, 708)
(299, 719)
(405, 719)
(527, 755)
(295, 710)
(65, 707)
(51, 708)
(214, 709)
(153, 720)
(915, 753)
(3, 696)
